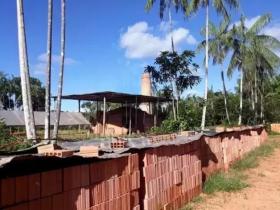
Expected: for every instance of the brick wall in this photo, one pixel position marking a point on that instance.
(166, 177)
(275, 127)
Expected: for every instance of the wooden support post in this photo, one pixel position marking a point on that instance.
(155, 117)
(79, 103)
(129, 128)
(135, 123)
(104, 115)
(126, 113)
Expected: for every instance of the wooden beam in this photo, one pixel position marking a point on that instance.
(79, 103)
(129, 128)
(104, 115)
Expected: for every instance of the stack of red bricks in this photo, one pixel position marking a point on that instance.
(172, 176)
(211, 154)
(118, 143)
(231, 145)
(111, 184)
(161, 138)
(275, 127)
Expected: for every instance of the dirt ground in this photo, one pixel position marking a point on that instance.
(263, 193)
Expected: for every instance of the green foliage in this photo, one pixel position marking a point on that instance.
(167, 126)
(223, 182)
(10, 93)
(174, 72)
(4, 133)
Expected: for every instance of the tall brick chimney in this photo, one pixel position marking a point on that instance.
(146, 89)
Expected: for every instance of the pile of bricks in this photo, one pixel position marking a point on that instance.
(111, 184)
(118, 143)
(51, 150)
(115, 184)
(211, 154)
(166, 177)
(172, 176)
(275, 127)
(160, 138)
(88, 151)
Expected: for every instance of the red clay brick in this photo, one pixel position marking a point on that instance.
(72, 199)
(8, 191)
(46, 203)
(35, 205)
(71, 178)
(21, 189)
(51, 182)
(23, 206)
(34, 186)
(84, 175)
(58, 202)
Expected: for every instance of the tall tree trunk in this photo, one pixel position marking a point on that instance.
(175, 95)
(241, 97)
(48, 72)
(256, 96)
(173, 101)
(60, 82)
(24, 74)
(206, 70)
(225, 95)
(262, 102)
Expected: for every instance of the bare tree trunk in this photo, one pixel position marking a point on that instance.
(48, 72)
(256, 96)
(262, 103)
(174, 87)
(206, 70)
(24, 74)
(225, 96)
(241, 97)
(60, 83)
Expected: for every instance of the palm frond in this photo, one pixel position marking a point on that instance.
(260, 24)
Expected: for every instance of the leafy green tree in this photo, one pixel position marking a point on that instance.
(174, 72)
(253, 53)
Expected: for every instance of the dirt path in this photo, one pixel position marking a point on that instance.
(263, 193)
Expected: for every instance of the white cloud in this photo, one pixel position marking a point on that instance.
(273, 30)
(39, 68)
(55, 59)
(140, 42)
(191, 92)
(248, 22)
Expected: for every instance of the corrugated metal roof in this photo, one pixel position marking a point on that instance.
(116, 97)
(16, 118)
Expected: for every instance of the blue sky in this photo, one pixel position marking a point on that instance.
(108, 43)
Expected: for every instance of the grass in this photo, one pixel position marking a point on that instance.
(220, 181)
(251, 160)
(235, 179)
(196, 200)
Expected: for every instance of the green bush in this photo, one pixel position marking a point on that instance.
(4, 134)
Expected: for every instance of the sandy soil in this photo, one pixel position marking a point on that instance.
(263, 193)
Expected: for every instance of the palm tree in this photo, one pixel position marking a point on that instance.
(24, 74)
(60, 82)
(218, 50)
(220, 7)
(48, 72)
(253, 53)
(166, 4)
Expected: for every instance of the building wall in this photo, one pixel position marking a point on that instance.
(165, 177)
